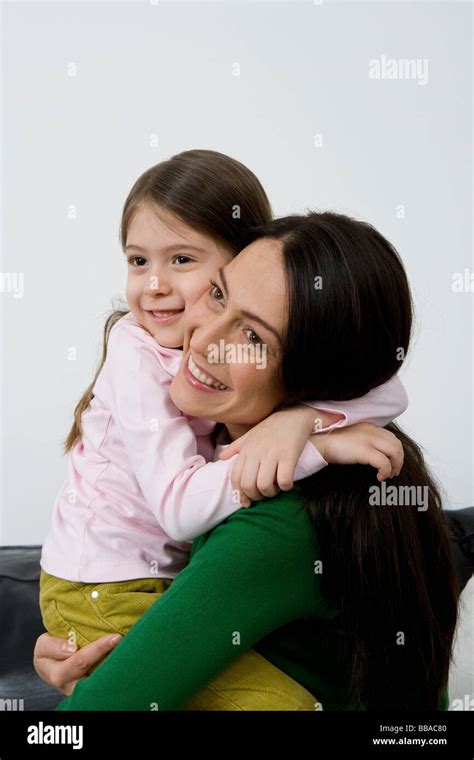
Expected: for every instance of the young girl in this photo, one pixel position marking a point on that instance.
(141, 482)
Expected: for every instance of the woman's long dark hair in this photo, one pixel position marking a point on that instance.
(387, 567)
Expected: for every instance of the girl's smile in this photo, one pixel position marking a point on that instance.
(162, 317)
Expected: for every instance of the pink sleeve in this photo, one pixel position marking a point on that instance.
(379, 406)
(309, 463)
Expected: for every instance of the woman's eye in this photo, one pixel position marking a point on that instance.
(253, 337)
(215, 292)
(137, 261)
(182, 259)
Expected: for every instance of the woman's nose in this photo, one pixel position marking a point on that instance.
(205, 329)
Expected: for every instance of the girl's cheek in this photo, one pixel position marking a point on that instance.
(195, 291)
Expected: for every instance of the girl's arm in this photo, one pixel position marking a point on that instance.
(379, 406)
(276, 452)
(252, 575)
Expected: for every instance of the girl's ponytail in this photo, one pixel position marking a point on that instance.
(76, 429)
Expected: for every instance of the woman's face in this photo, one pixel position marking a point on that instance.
(232, 350)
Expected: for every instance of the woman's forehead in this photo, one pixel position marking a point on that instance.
(263, 258)
(256, 281)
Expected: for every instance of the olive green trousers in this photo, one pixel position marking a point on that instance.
(83, 612)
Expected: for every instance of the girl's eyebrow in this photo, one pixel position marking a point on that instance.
(168, 248)
(248, 314)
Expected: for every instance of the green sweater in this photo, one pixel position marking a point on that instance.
(254, 574)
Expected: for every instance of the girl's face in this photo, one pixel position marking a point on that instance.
(240, 318)
(169, 267)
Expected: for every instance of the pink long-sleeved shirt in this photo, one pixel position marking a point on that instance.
(141, 482)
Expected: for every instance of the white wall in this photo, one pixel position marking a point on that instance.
(166, 69)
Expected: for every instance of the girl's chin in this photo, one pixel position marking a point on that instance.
(166, 338)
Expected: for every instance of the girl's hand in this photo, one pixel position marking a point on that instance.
(269, 452)
(61, 667)
(362, 444)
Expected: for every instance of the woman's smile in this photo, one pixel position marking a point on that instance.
(201, 380)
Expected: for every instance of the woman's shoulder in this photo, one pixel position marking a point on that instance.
(287, 507)
(280, 524)
(272, 544)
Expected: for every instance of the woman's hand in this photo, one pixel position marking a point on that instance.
(61, 665)
(362, 444)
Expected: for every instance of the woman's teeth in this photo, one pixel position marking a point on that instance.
(199, 375)
(165, 313)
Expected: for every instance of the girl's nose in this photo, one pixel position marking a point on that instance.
(157, 284)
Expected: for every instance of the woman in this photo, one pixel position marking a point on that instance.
(354, 599)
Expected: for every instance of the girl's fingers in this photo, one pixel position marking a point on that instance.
(266, 479)
(235, 478)
(285, 474)
(248, 479)
(381, 463)
(393, 449)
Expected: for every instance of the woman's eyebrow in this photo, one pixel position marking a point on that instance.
(248, 314)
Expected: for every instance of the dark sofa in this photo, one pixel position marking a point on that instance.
(20, 617)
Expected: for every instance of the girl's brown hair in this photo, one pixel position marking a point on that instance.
(209, 191)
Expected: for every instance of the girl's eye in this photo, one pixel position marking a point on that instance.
(253, 337)
(215, 292)
(182, 259)
(137, 261)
